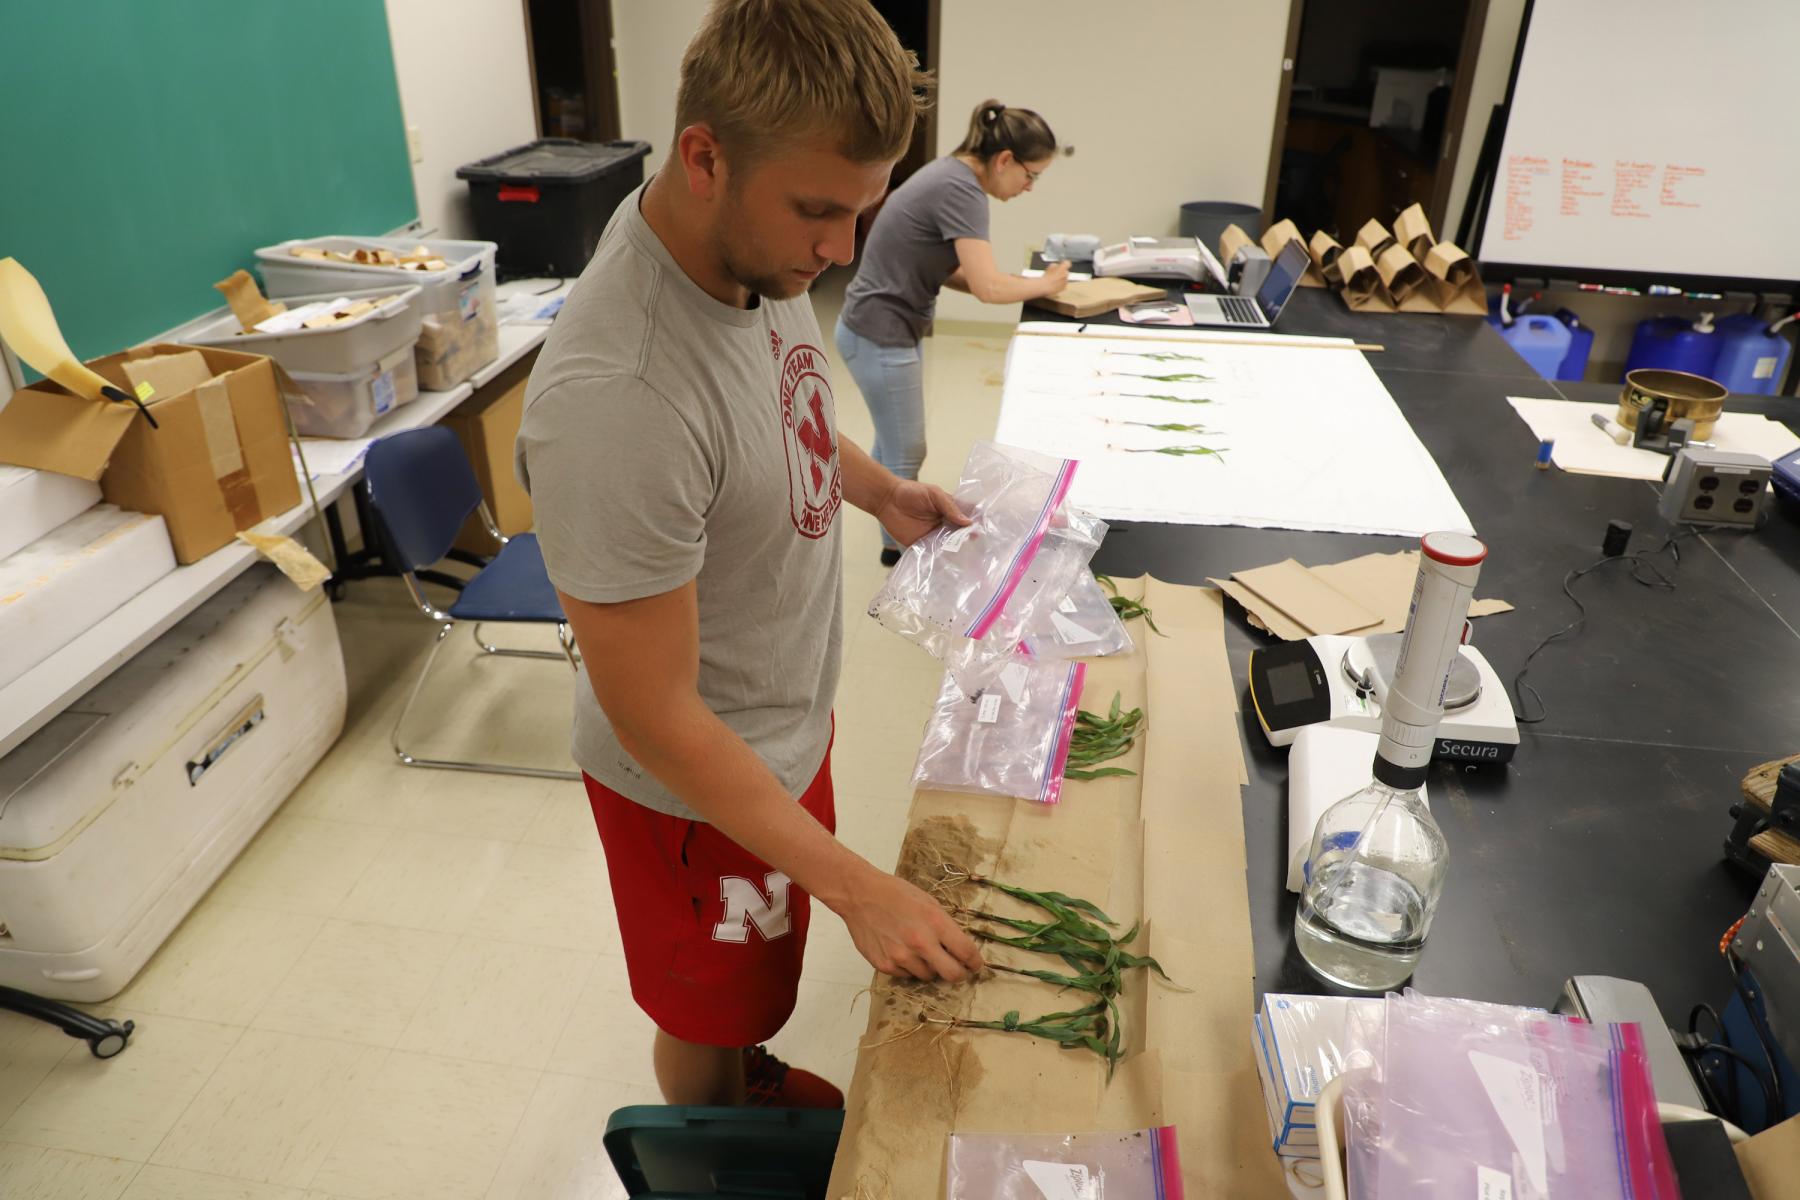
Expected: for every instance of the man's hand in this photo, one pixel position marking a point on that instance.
(902, 931)
(1056, 277)
(913, 509)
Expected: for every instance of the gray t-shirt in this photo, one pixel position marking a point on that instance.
(668, 436)
(912, 250)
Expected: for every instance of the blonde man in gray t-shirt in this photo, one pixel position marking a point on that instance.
(681, 449)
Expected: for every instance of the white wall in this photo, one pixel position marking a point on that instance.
(1141, 148)
(1179, 106)
(465, 86)
(1493, 67)
(648, 39)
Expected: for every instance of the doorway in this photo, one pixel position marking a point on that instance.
(1372, 113)
(573, 82)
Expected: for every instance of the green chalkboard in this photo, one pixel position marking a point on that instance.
(148, 147)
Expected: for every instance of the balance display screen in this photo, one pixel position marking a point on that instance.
(1290, 683)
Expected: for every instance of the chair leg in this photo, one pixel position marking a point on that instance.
(450, 764)
(486, 648)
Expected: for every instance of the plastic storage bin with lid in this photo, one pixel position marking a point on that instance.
(327, 363)
(547, 202)
(461, 329)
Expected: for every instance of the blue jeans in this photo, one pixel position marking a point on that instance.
(892, 382)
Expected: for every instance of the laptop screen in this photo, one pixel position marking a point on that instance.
(1284, 274)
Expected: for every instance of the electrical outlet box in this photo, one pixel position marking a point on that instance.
(1714, 487)
(415, 144)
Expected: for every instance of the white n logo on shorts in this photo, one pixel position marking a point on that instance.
(745, 903)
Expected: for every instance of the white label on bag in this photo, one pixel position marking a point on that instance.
(1013, 680)
(1067, 605)
(1517, 1093)
(1068, 632)
(988, 711)
(1765, 367)
(383, 390)
(1492, 1185)
(954, 541)
(1062, 1181)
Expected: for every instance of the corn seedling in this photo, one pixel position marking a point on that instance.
(1164, 426)
(1098, 739)
(1127, 608)
(1160, 355)
(1170, 377)
(1164, 396)
(1178, 451)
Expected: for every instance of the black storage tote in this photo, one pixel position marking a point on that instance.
(547, 202)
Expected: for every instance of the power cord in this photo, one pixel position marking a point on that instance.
(1778, 1109)
(1640, 563)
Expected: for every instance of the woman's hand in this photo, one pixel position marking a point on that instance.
(913, 509)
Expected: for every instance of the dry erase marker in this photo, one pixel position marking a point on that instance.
(1611, 428)
(1543, 455)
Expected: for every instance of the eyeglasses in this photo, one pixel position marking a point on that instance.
(1031, 176)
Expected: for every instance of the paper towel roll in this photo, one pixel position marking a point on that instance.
(1325, 765)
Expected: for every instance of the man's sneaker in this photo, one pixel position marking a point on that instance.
(771, 1083)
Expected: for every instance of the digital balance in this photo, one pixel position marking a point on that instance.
(1343, 681)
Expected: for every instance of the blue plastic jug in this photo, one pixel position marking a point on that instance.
(1581, 344)
(1541, 341)
(1675, 344)
(1753, 354)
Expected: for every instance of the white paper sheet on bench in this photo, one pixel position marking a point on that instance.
(1310, 437)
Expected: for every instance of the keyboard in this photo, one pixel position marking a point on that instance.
(1240, 311)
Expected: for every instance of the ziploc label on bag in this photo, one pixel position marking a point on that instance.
(987, 711)
(1062, 1181)
(1516, 1091)
(1492, 1185)
(383, 391)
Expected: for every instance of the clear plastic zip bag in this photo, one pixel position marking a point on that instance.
(966, 595)
(1138, 1164)
(1011, 740)
(1082, 624)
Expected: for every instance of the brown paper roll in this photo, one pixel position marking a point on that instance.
(1450, 264)
(1276, 237)
(1400, 272)
(1231, 240)
(1325, 251)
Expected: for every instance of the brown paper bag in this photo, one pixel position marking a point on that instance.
(1413, 231)
(1325, 251)
(1374, 237)
(1275, 239)
(1231, 241)
(1406, 280)
(1360, 283)
(1455, 280)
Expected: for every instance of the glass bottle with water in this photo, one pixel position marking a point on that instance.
(1378, 861)
(1374, 875)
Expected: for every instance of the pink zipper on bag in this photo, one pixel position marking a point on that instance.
(1015, 573)
(1051, 792)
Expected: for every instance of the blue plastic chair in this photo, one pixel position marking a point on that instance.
(422, 489)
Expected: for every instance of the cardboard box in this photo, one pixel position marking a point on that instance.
(55, 589)
(487, 424)
(216, 463)
(1360, 596)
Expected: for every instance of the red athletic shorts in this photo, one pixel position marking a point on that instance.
(714, 937)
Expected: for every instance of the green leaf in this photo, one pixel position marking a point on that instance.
(1082, 775)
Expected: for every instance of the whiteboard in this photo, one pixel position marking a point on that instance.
(1652, 137)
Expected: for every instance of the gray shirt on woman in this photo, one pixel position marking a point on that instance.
(911, 251)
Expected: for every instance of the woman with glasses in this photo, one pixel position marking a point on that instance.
(932, 232)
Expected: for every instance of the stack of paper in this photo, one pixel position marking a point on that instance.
(1366, 595)
(1301, 1043)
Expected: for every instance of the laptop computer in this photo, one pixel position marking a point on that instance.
(1239, 312)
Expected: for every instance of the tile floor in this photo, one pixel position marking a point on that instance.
(410, 985)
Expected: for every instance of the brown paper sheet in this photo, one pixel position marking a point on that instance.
(1091, 297)
(290, 557)
(247, 302)
(1166, 846)
(1771, 1160)
(1375, 585)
